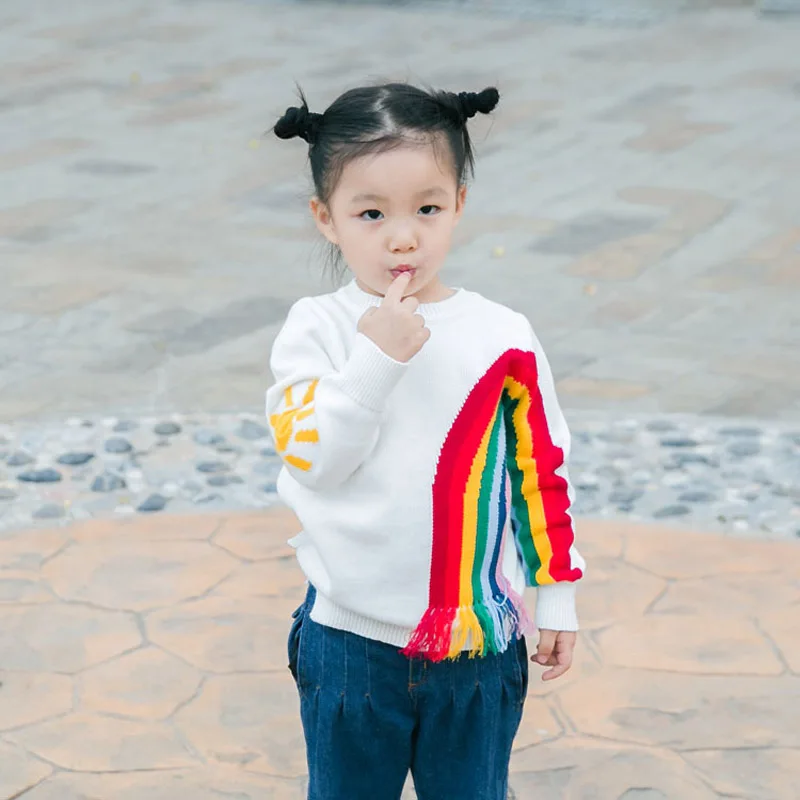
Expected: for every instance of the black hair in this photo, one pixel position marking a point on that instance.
(374, 119)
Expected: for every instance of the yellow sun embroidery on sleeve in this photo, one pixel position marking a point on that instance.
(283, 424)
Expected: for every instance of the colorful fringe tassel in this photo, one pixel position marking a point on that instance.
(446, 633)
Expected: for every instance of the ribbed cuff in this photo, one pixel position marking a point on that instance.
(555, 607)
(369, 376)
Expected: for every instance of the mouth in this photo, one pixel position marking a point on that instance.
(403, 268)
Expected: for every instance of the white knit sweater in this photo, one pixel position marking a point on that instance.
(430, 492)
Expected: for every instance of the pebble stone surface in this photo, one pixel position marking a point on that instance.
(738, 477)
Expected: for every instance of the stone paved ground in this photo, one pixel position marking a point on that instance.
(635, 196)
(145, 660)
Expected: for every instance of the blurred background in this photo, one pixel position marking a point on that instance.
(635, 193)
(636, 196)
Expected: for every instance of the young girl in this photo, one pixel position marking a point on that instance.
(424, 453)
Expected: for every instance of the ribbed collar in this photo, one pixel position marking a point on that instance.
(362, 300)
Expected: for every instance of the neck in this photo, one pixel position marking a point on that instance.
(433, 292)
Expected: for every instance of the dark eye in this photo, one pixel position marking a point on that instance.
(429, 211)
(373, 215)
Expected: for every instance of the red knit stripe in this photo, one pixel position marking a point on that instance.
(549, 457)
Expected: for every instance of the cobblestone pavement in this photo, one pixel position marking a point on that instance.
(145, 660)
(635, 197)
(703, 473)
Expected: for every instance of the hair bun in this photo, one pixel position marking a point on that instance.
(472, 103)
(298, 122)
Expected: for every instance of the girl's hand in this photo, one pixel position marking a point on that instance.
(555, 650)
(393, 325)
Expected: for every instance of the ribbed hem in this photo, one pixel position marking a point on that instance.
(369, 376)
(327, 613)
(555, 607)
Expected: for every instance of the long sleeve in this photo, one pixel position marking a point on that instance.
(541, 492)
(325, 421)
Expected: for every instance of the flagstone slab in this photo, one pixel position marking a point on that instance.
(248, 720)
(246, 536)
(19, 771)
(27, 698)
(733, 596)
(540, 724)
(692, 644)
(166, 527)
(19, 588)
(618, 591)
(679, 554)
(202, 783)
(219, 634)
(86, 742)
(134, 575)
(781, 625)
(25, 551)
(768, 774)
(146, 684)
(262, 580)
(63, 638)
(684, 712)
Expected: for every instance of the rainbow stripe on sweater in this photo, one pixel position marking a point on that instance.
(498, 460)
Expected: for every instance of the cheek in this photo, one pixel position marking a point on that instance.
(344, 232)
(356, 237)
(444, 234)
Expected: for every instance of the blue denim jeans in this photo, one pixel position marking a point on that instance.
(370, 715)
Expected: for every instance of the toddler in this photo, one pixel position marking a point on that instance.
(424, 453)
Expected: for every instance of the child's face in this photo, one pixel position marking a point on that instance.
(395, 211)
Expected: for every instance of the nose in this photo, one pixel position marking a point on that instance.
(403, 238)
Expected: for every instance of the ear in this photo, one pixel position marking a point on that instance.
(461, 198)
(323, 219)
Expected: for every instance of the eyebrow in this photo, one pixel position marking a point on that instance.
(376, 198)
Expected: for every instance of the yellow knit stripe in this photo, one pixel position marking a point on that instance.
(311, 435)
(530, 477)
